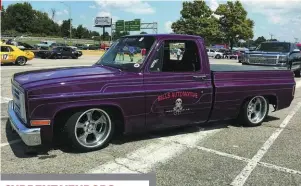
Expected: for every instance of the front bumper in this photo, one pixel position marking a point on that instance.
(30, 136)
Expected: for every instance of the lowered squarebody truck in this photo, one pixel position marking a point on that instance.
(138, 92)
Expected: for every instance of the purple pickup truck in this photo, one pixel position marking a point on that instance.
(126, 93)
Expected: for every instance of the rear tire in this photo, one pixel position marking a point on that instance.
(297, 73)
(21, 61)
(90, 129)
(218, 56)
(254, 111)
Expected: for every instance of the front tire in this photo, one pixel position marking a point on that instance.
(90, 129)
(21, 61)
(218, 56)
(254, 111)
(297, 73)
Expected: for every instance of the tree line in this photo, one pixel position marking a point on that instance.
(227, 24)
(21, 19)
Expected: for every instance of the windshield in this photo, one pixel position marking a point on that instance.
(274, 47)
(127, 53)
(299, 46)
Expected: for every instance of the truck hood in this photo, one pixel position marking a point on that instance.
(59, 74)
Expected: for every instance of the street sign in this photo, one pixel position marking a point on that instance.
(132, 25)
(103, 21)
(135, 25)
(119, 26)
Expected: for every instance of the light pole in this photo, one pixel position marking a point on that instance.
(69, 8)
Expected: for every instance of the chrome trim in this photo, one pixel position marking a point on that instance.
(30, 136)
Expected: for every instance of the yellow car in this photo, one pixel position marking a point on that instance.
(12, 54)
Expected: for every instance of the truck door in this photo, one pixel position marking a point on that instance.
(67, 52)
(177, 92)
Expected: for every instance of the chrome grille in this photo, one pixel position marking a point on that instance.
(19, 102)
(267, 60)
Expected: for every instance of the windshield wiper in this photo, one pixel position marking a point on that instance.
(113, 66)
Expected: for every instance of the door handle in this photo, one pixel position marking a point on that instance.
(200, 77)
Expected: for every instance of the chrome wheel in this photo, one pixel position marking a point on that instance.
(257, 109)
(92, 128)
(21, 61)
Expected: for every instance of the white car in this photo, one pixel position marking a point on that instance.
(214, 54)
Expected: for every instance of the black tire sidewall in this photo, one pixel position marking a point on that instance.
(17, 60)
(297, 73)
(244, 114)
(69, 128)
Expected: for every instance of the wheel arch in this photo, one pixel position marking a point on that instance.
(115, 111)
(272, 99)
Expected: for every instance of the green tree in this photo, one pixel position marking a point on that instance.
(117, 35)
(80, 31)
(234, 22)
(259, 40)
(106, 36)
(94, 33)
(65, 28)
(19, 17)
(197, 19)
(3, 20)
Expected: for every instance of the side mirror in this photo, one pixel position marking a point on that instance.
(296, 51)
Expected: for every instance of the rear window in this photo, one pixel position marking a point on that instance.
(274, 47)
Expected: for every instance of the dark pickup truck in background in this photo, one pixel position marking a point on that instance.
(120, 94)
(274, 53)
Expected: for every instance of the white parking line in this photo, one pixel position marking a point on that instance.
(298, 84)
(5, 99)
(245, 173)
(10, 142)
(145, 158)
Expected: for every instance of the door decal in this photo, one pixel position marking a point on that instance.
(5, 56)
(175, 102)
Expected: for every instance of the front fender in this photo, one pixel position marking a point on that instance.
(54, 108)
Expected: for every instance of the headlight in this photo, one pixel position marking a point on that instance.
(19, 102)
(282, 59)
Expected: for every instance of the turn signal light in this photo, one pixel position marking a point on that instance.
(39, 122)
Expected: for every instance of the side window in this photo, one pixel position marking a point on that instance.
(10, 49)
(66, 49)
(156, 65)
(176, 56)
(6, 49)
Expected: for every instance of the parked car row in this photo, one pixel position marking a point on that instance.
(226, 53)
(19, 53)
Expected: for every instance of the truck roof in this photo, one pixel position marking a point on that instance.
(182, 36)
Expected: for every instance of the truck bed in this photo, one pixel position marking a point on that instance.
(227, 67)
(234, 83)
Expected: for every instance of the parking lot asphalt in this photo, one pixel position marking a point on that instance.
(217, 154)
